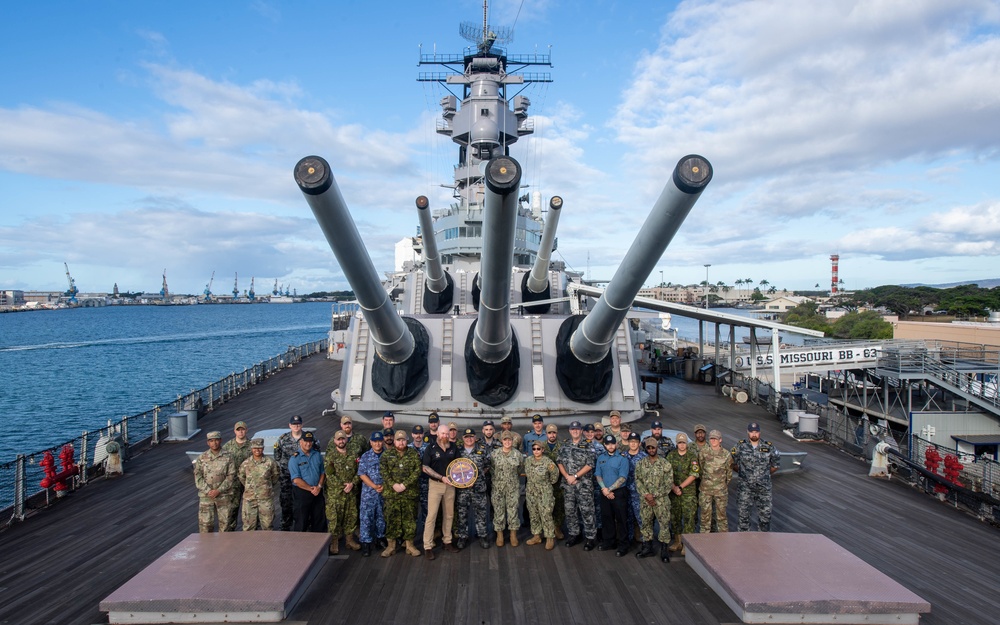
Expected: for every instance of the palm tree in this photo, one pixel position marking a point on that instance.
(772, 290)
(764, 283)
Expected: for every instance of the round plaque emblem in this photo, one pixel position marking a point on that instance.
(463, 472)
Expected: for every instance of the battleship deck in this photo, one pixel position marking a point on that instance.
(57, 565)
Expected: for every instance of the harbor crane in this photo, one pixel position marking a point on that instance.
(236, 286)
(208, 287)
(275, 291)
(251, 295)
(164, 291)
(72, 291)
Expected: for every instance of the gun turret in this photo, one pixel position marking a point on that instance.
(535, 286)
(584, 363)
(399, 369)
(492, 360)
(439, 289)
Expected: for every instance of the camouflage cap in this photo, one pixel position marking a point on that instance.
(649, 442)
(682, 437)
(715, 434)
(551, 428)
(345, 419)
(700, 427)
(453, 426)
(214, 434)
(340, 435)
(506, 420)
(401, 435)
(507, 436)
(240, 424)
(614, 413)
(257, 443)
(599, 426)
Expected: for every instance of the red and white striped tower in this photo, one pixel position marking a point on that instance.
(835, 259)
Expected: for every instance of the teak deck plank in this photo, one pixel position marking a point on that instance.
(56, 566)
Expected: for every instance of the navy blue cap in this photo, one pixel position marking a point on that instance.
(468, 432)
(576, 425)
(656, 424)
(536, 418)
(589, 427)
(309, 436)
(417, 429)
(609, 438)
(487, 422)
(433, 418)
(388, 413)
(634, 436)
(753, 427)
(296, 420)
(376, 436)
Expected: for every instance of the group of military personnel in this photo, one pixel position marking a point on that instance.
(605, 484)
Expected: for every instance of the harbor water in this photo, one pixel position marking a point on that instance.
(66, 371)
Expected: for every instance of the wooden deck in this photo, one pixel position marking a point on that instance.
(56, 566)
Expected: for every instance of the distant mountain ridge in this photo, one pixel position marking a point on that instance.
(984, 284)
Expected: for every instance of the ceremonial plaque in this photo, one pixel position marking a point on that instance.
(463, 472)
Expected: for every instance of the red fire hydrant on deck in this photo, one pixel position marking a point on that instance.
(932, 460)
(58, 481)
(951, 469)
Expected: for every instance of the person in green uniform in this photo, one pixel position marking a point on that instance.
(684, 494)
(400, 468)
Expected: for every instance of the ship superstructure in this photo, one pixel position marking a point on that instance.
(484, 322)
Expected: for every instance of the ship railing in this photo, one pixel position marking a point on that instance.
(20, 490)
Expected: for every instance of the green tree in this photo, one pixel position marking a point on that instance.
(862, 325)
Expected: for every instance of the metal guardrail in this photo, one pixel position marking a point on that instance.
(19, 480)
(940, 360)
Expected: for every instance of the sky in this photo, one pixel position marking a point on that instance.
(138, 137)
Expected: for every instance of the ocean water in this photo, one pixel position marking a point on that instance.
(66, 371)
(687, 328)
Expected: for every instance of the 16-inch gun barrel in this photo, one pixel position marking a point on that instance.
(492, 342)
(393, 340)
(433, 270)
(539, 277)
(591, 341)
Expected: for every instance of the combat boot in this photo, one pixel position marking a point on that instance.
(484, 543)
(499, 538)
(646, 550)
(334, 545)
(550, 544)
(366, 549)
(390, 547)
(351, 543)
(664, 553)
(534, 540)
(411, 549)
(676, 545)
(638, 534)
(513, 538)
(559, 534)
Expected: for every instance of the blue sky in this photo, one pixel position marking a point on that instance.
(138, 136)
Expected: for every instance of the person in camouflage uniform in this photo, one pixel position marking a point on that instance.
(576, 460)
(551, 447)
(400, 469)
(633, 453)
(475, 499)
(755, 460)
(507, 425)
(506, 465)
(357, 444)
(542, 474)
(214, 475)
(716, 472)
(665, 444)
(684, 495)
(342, 484)
(419, 442)
(259, 477)
(239, 449)
(285, 447)
(372, 518)
(489, 439)
(654, 479)
(598, 447)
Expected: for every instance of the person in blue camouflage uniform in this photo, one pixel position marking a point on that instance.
(400, 469)
(598, 447)
(285, 447)
(755, 460)
(372, 518)
(550, 448)
(654, 479)
(576, 460)
(634, 453)
(684, 494)
(665, 444)
(475, 499)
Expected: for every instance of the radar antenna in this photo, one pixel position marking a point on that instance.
(484, 37)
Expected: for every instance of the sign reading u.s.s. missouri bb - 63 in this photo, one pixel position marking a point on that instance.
(817, 358)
